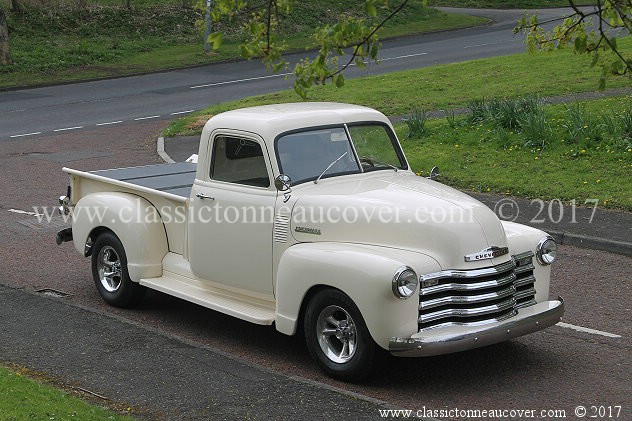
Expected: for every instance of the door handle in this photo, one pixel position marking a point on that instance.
(203, 196)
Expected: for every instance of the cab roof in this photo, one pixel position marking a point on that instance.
(268, 121)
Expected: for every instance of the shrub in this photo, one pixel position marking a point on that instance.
(417, 123)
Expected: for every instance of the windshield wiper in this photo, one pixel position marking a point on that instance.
(372, 162)
(329, 166)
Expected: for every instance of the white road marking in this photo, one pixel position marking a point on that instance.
(26, 134)
(239, 80)
(587, 330)
(146, 118)
(182, 112)
(68, 128)
(481, 45)
(21, 212)
(287, 74)
(109, 122)
(406, 56)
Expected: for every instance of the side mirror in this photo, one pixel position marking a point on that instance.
(283, 182)
(434, 173)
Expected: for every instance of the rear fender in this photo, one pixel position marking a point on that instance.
(133, 219)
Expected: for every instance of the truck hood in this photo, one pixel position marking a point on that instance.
(398, 210)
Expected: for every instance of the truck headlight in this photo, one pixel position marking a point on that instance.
(405, 282)
(546, 251)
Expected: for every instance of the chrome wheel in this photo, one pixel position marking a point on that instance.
(337, 334)
(109, 269)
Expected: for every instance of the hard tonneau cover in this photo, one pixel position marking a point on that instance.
(175, 179)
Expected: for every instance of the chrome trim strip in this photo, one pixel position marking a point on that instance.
(467, 312)
(450, 339)
(524, 294)
(471, 324)
(524, 268)
(468, 287)
(524, 281)
(467, 299)
(469, 274)
(526, 303)
(523, 256)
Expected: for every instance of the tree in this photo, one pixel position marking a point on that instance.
(263, 19)
(593, 32)
(5, 56)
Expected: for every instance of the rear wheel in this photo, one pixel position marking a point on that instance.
(109, 270)
(337, 337)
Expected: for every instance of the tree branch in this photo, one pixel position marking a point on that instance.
(366, 39)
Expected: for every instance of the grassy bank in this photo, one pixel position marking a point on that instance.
(442, 87)
(576, 151)
(65, 43)
(554, 156)
(22, 398)
(508, 4)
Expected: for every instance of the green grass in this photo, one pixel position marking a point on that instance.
(64, 43)
(477, 156)
(508, 4)
(546, 154)
(24, 399)
(441, 87)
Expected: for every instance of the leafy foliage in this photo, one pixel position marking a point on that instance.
(355, 33)
(594, 32)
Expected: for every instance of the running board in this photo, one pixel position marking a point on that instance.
(246, 308)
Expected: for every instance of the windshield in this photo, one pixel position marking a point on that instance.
(376, 147)
(328, 152)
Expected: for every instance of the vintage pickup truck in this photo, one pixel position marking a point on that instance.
(308, 217)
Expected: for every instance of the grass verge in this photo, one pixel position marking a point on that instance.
(573, 162)
(65, 43)
(24, 399)
(441, 87)
(509, 4)
(579, 151)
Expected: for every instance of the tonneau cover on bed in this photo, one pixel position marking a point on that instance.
(169, 178)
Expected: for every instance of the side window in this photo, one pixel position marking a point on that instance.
(239, 161)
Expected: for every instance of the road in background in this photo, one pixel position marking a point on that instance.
(165, 95)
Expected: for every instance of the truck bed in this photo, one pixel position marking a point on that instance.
(175, 179)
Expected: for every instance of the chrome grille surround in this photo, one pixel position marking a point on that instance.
(478, 296)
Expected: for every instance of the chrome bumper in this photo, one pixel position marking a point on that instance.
(445, 340)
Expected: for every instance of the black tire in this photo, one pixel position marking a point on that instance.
(335, 312)
(109, 270)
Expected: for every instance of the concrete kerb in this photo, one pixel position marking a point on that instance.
(592, 243)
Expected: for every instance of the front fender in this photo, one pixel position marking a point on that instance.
(133, 219)
(364, 273)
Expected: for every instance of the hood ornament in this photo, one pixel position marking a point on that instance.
(488, 253)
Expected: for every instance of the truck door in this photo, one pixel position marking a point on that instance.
(231, 214)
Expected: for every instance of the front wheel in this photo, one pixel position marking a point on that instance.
(337, 337)
(109, 270)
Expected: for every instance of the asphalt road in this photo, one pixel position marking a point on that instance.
(81, 106)
(557, 369)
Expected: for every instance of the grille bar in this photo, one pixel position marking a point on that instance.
(467, 299)
(478, 296)
(466, 312)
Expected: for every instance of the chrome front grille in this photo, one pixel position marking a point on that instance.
(479, 296)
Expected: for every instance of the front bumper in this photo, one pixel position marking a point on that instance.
(445, 340)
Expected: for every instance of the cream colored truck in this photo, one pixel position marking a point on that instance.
(308, 217)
